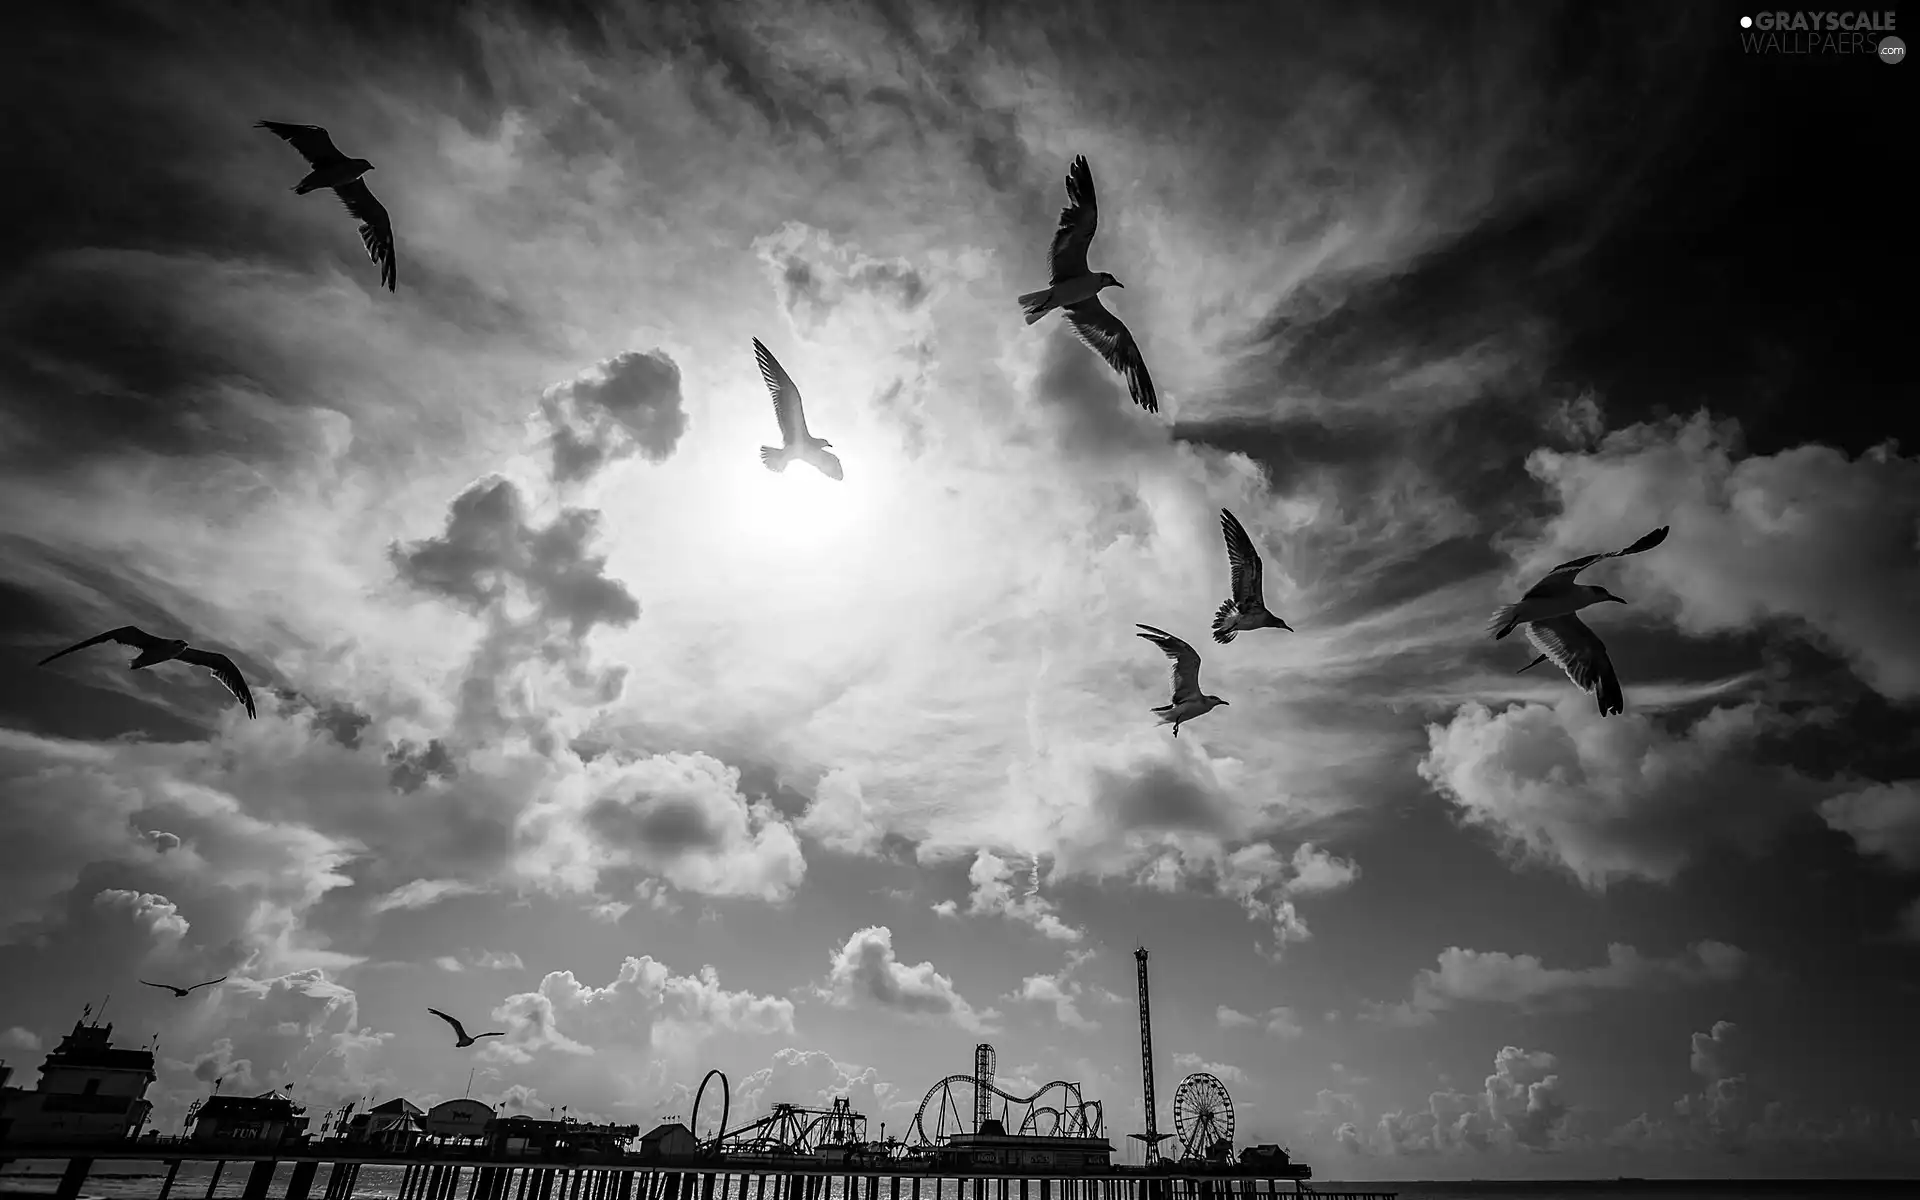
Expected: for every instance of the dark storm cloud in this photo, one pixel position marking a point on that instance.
(489, 547)
(629, 404)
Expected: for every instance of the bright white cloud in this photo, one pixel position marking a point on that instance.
(422, 893)
(866, 971)
(1806, 535)
(1883, 819)
(1616, 797)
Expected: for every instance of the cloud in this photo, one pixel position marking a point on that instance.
(678, 816)
(992, 894)
(1279, 1021)
(230, 886)
(1223, 1071)
(1495, 977)
(815, 273)
(646, 1008)
(1807, 536)
(629, 404)
(1063, 994)
(1613, 798)
(490, 556)
(1735, 1113)
(1883, 819)
(1521, 1107)
(866, 971)
(18, 1040)
(841, 818)
(423, 893)
(158, 916)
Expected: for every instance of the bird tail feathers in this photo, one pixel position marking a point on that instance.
(1221, 633)
(775, 457)
(1036, 304)
(1504, 619)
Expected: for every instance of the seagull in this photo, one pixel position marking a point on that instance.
(332, 169)
(158, 650)
(797, 444)
(182, 991)
(1247, 611)
(1188, 702)
(460, 1031)
(1076, 291)
(1547, 611)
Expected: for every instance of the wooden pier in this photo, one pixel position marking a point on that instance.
(450, 1176)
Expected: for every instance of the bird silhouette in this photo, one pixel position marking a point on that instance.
(1547, 613)
(797, 445)
(1246, 610)
(183, 991)
(332, 169)
(1074, 289)
(460, 1031)
(1188, 701)
(154, 650)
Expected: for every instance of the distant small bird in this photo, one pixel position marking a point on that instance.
(797, 445)
(1076, 290)
(1247, 610)
(182, 991)
(332, 169)
(1547, 611)
(155, 650)
(460, 1031)
(1188, 702)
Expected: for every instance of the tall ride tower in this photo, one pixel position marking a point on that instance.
(984, 1061)
(1152, 1137)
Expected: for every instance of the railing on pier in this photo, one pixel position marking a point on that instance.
(476, 1177)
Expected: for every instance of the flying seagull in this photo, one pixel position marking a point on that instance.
(332, 169)
(1548, 613)
(158, 650)
(1188, 702)
(460, 1031)
(1247, 610)
(1076, 291)
(797, 445)
(182, 991)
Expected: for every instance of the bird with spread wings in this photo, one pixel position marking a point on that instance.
(1075, 290)
(332, 169)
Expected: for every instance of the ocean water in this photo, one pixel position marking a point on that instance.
(133, 1180)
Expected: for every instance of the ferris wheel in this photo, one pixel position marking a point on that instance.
(1202, 1116)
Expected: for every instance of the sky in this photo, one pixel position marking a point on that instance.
(577, 722)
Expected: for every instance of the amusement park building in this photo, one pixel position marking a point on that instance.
(993, 1146)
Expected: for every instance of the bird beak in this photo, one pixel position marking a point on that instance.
(1118, 284)
(1616, 599)
(1286, 627)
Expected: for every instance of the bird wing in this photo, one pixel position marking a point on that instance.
(1067, 258)
(126, 635)
(1577, 650)
(376, 228)
(223, 670)
(1561, 577)
(208, 983)
(458, 1029)
(1103, 332)
(786, 395)
(165, 987)
(310, 140)
(1186, 663)
(1245, 560)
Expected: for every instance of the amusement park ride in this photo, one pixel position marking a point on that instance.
(964, 1107)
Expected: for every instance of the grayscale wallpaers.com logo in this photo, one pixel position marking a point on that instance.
(1822, 33)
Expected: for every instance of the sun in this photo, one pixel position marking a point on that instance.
(798, 511)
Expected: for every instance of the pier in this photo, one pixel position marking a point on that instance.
(442, 1176)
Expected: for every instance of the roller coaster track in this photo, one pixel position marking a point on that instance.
(1071, 1119)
